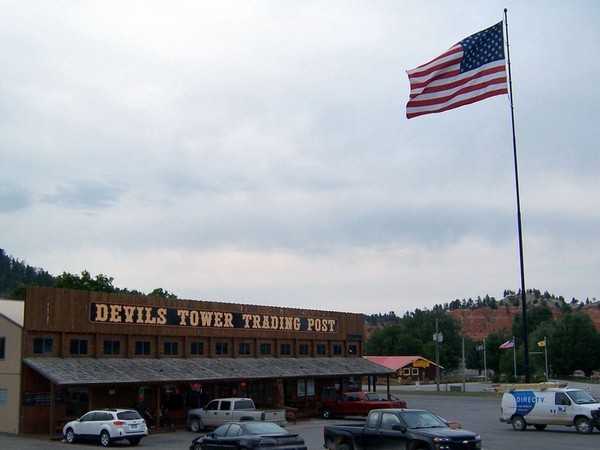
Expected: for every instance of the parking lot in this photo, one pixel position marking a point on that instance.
(479, 413)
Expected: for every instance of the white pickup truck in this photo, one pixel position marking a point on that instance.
(223, 410)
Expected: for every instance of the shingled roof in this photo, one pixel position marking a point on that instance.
(92, 371)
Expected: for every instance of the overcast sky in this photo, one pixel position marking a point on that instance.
(258, 151)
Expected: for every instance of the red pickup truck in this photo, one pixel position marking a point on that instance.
(357, 404)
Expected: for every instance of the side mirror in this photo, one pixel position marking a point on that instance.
(399, 427)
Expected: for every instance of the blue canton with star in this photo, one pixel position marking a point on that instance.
(482, 48)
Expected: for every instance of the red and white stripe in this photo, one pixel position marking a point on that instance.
(439, 86)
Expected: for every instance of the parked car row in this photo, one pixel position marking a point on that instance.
(236, 423)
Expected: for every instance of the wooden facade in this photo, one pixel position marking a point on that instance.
(81, 329)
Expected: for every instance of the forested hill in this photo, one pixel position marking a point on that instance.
(482, 317)
(15, 275)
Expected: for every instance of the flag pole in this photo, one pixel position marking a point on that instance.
(484, 362)
(515, 355)
(546, 354)
(519, 226)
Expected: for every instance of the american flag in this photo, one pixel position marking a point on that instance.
(508, 344)
(472, 70)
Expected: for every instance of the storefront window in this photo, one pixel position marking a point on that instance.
(303, 350)
(142, 348)
(197, 348)
(265, 348)
(171, 348)
(285, 350)
(222, 348)
(79, 346)
(112, 347)
(244, 349)
(42, 346)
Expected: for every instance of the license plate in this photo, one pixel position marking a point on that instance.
(133, 425)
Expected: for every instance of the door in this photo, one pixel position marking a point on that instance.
(210, 414)
(225, 409)
(561, 413)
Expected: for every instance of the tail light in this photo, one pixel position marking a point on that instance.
(119, 423)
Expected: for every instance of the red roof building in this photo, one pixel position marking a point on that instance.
(408, 368)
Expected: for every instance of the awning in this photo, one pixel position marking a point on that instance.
(106, 371)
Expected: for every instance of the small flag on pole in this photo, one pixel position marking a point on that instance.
(470, 71)
(542, 343)
(508, 344)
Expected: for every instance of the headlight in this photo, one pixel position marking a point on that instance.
(477, 437)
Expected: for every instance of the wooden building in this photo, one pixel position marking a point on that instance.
(83, 350)
(408, 369)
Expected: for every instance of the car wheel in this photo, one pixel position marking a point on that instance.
(104, 439)
(198, 447)
(540, 427)
(135, 441)
(195, 425)
(327, 413)
(70, 436)
(519, 423)
(583, 425)
(342, 447)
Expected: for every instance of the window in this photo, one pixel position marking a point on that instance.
(373, 419)
(112, 347)
(79, 346)
(285, 349)
(388, 420)
(2, 347)
(3, 396)
(406, 372)
(353, 350)
(244, 349)
(42, 346)
(415, 371)
(265, 348)
(321, 350)
(337, 349)
(225, 405)
(303, 350)
(305, 387)
(222, 348)
(142, 348)
(197, 348)
(171, 348)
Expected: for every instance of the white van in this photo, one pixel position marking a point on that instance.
(550, 406)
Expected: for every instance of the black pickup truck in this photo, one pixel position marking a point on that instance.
(409, 429)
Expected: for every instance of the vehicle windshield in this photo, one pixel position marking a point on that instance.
(422, 419)
(262, 428)
(581, 397)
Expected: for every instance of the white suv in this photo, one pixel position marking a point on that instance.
(107, 425)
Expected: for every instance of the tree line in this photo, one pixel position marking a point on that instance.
(16, 275)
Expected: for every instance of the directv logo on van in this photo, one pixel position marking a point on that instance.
(526, 401)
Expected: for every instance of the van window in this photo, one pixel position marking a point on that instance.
(562, 399)
(582, 397)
